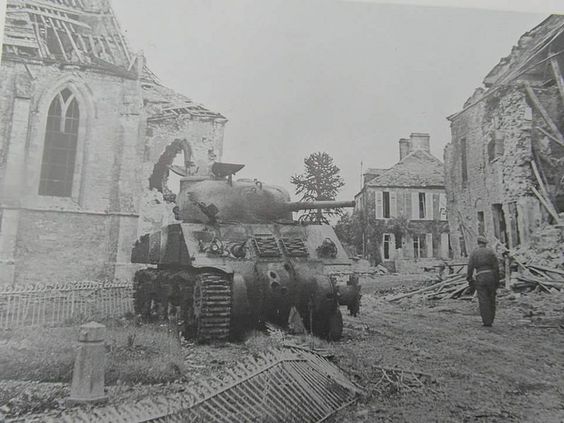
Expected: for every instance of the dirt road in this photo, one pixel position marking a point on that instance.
(512, 372)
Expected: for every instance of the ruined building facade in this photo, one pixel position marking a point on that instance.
(505, 164)
(407, 205)
(87, 138)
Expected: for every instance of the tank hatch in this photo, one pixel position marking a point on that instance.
(221, 170)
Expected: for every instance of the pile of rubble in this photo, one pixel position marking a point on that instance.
(540, 265)
(453, 286)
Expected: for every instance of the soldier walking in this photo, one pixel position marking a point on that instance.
(484, 261)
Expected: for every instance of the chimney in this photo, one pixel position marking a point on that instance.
(420, 141)
(405, 147)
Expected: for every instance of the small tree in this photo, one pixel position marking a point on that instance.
(321, 181)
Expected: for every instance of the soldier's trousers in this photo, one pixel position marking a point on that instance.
(486, 285)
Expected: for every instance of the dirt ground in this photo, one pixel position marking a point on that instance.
(511, 372)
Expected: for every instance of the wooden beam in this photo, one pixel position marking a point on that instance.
(74, 46)
(546, 204)
(549, 135)
(61, 46)
(540, 181)
(558, 76)
(543, 112)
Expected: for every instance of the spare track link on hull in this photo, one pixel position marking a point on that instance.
(212, 307)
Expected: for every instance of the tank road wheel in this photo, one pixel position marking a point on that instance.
(335, 326)
(212, 307)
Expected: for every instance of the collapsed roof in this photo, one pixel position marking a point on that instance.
(83, 32)
(86, 33)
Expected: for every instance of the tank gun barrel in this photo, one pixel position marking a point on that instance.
(317, 205)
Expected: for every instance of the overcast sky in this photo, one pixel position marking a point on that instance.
(298, 76)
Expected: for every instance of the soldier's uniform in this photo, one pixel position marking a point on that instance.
(484, 262)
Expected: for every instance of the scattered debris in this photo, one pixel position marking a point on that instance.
(279, 386)
(453, 286)
(399, 380)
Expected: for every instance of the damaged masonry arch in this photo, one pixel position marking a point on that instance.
(171, 160)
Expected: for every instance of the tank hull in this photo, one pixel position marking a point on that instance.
(267, 268)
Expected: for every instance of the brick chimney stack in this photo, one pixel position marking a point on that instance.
(419, 141)
(405, 147)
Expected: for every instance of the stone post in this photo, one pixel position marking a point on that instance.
(88, 375)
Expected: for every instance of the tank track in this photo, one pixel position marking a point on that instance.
(212, 307)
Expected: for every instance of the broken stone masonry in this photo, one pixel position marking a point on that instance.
(88, 136)
(408, 202)
(505, 164)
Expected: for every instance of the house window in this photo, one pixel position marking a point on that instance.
(496, 147)
(481, 223)
(419, 246)
(386, 204)
(514, 226)
(422, 205)
(59, 151)
(387, 246)
(463, 161)
(500, 228)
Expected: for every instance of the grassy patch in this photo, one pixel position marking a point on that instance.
(134, 354)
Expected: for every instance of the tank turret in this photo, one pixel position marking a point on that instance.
(238, 260)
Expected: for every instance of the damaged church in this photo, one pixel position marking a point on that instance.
(505, 165)
(88, 140)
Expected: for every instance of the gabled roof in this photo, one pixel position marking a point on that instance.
(80, 32)
(417, 169)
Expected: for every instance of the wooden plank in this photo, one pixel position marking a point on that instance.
(557, 76)
(540, 181)
(545, 203)
(54, 28)
(546, 117)
(74, 46)
(549, 135)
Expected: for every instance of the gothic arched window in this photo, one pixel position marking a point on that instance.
(59, 151)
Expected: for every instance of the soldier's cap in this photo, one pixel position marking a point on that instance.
(482, 240)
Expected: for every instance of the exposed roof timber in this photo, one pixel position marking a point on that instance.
(62, 30)
(524, 67)
(495, 88)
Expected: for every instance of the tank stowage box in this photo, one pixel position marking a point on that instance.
(239, 260)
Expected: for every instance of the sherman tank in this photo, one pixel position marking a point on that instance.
(238, 260)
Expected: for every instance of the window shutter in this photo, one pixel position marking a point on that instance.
(444, 245)
(393, 204)
(429, 206)
(415, 205)
(429, 245)
(379, 204)
(392, 247)
(442, 207)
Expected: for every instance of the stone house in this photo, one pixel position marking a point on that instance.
(505, 163)
(87, 138)
(408, 203)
